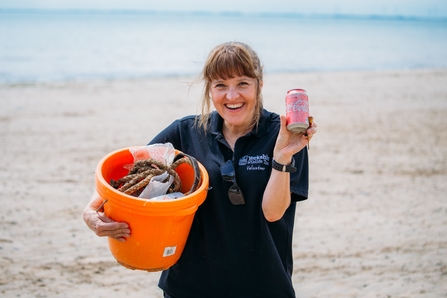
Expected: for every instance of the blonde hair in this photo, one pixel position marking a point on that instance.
(227, 61)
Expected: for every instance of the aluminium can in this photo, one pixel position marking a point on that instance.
(297, 110)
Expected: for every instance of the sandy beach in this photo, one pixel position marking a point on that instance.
(375, 223)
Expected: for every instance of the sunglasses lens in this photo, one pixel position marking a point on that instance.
(228, 178)
(227, 171)
(234, 192)
(235, 195)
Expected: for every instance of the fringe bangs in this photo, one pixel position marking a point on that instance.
(229, 63)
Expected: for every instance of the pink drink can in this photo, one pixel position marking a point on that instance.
(297, 110)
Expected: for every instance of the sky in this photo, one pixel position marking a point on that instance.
(407, 8)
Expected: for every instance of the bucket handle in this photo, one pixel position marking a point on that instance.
(101, 206)
(195, 166)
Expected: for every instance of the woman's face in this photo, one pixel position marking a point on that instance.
(235, 100)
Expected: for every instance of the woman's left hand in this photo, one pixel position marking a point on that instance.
(289, 143)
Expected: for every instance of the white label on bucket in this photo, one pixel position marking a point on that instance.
(169, 251)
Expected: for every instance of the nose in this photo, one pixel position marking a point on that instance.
(232, 93)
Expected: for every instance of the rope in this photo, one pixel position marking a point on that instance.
(143, 171)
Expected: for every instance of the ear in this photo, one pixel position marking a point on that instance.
(261, 84)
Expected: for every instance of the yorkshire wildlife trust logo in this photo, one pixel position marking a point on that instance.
(255, 163)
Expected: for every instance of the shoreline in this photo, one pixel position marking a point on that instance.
(191, 77)
(373, 226)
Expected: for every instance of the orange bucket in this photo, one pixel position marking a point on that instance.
(159, 229)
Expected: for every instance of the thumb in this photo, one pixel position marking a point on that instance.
(283, 126)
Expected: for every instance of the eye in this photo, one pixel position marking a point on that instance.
(219, 85)
(243, 83)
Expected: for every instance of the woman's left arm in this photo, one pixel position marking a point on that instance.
(277, 193)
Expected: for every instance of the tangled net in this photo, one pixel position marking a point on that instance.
(143, 171)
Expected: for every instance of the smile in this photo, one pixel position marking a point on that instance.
(234, 106)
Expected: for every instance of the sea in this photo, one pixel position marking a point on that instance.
(44, 46)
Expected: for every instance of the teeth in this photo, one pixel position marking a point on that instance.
(234, 106)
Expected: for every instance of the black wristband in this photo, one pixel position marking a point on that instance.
(284, 168)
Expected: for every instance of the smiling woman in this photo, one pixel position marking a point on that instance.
(235, 100)
(233, 77)
(240, 243)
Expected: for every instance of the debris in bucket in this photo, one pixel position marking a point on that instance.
(143, 171)
(157, 186)
(169, 196)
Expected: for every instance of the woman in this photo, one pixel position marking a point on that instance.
(240, 243)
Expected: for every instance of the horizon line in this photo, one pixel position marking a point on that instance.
(228, 14)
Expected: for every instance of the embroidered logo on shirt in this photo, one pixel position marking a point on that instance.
(255, 163)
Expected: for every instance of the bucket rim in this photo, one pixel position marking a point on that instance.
(204, 181)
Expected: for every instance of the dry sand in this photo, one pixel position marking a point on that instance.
(375, 224)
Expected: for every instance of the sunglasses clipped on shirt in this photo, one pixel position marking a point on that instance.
(234, 192)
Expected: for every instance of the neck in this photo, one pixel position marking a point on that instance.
(232, 134)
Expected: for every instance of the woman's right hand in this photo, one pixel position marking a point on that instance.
(102, 225)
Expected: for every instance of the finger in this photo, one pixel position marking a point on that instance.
(108, 227)
(307, 137)
(114, 230)
(283, 123)
(103, 217)
(311, 130)
(116, 234)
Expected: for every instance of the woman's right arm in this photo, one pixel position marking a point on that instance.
(99, 223)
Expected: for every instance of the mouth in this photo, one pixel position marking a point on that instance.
(235, 106)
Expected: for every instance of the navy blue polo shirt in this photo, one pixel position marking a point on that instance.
(232, 250)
